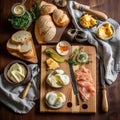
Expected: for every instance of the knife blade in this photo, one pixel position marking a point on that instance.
(103, 84)
(74, 84)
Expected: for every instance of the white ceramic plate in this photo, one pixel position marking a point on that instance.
(49, 101)
(63, 48)
(53, 81)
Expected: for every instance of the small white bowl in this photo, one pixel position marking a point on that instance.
(60, 73)
(52, 99)
(85, 22)
(63, 48)
(103, 24)
(18, 9)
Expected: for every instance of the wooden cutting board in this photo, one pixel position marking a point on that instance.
(70, 105)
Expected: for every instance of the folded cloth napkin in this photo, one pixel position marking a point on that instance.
(10, 95)
(108, 50)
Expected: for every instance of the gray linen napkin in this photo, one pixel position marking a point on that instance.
(9, 95)
(109, 50)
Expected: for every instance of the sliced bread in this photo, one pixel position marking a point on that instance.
(13, 47)
(21, 37)
(24, 48)
(32, 59)
(29, 54)
(25, 51)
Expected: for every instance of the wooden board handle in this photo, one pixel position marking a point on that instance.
(104, 101)
(98, 14)
(25, 91)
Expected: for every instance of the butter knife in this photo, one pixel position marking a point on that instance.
(104, 92)
(74, 84)
(26, 90)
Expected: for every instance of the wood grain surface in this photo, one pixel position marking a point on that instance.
(68, 90)
(112, 9)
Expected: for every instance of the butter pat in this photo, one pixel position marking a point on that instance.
(17, 72)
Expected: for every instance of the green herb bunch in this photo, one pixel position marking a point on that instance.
(21, 22)
(35, 11)
(24, 21)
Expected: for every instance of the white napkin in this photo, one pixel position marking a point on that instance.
(9, 94)
(109, 50)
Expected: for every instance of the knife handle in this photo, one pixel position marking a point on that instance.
(25, 91)
(104, 100)
(99, 14)
(78, 99)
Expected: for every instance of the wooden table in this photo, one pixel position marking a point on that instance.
(111, 8)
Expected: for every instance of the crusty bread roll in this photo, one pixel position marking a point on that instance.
(45, 29)
(46, 8)
(21, 45)
(60, 18)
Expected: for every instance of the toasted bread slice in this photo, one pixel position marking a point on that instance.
(21, 37)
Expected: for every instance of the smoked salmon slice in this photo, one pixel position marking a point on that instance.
(85, 82)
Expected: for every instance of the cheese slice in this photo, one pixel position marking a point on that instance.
(52, 64)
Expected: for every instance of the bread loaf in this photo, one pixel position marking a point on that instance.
(46, 8)
(45, 29)
(21, 45)
(60, 18)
